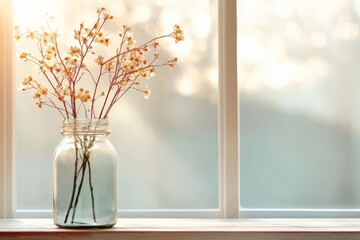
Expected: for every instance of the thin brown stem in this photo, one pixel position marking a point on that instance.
(137, 48)
(74, 181)
(92, 192)
(80, 188)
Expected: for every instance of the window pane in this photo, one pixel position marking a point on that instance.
(299, 103)
(166, 145)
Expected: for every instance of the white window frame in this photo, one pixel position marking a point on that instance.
(228, 124)
(6, 111)
(228, 134)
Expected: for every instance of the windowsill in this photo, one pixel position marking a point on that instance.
(188, 229)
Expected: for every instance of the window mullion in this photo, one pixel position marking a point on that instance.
(228, 107)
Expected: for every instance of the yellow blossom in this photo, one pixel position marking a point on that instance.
(62, 91)
(123, 83)
(106, 15)
(156, 45)
(53, 36)
(152, 72)
(39, 104)
(31, 35)
(126, 28)
(102, 38)
(172, 62)
(42, 92)
(17, 32)
(83, 95)
(28, 80)
(124, 70)
(76, 34)
(130, 41)
(99, 60)
(106, 41)
(178, 34)
(96, 27)
(147, 92)
(24, 55)
(100, 10)
(73, 51)
(84, 40)
(25, 83)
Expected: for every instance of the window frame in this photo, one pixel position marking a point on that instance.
(6, 111)
(229, 147)
(228, 125)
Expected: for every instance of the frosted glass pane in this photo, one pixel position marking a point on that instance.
(166, 145)
(299, 103)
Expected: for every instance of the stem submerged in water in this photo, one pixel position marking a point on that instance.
(82, 152)
(74, 182)
(92, 193)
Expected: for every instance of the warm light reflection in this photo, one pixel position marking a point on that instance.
(278, 43)
(168, 17)
(142, 13)
(182, 50)
(299, 102)
(201, 25)
(32, 13)
(318, 39)
(186, 86)
(280, 75)
(199, 30)
(212, 74)
(346, 31)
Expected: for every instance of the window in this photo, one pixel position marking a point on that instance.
(298, 88)
(323, 175)
(226, 185)
(204, 147)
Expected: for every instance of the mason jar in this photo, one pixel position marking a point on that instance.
(85, 176)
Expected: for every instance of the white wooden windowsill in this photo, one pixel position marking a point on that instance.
(189, 229)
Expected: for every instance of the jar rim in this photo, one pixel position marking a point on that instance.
(85, 120)
(93, 126)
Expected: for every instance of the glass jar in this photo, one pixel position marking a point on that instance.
(85, 176)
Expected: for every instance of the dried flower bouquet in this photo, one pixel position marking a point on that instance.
(63, 73)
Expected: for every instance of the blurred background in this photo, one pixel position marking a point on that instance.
(166, 145)
(298, 94)
(299, 103)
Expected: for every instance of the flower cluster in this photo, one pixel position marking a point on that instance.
(63, 72)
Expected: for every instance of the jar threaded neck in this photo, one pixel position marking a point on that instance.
(91, 126)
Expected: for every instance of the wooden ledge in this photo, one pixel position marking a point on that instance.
(222, 229)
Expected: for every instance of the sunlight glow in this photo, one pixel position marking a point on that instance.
(201, 25)
(280, 75)
(31, 13)
(168, 18)
(142, 13)
(186, 86)
(283, 53)
(199, 34)
(318, 39)
(346, 31)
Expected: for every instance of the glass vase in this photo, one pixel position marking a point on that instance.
(85, 176)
